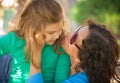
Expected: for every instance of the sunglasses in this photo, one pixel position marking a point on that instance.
(74, 37)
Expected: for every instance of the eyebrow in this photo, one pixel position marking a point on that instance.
(54, 31)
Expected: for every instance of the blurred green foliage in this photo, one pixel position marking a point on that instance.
(107, 12)
(119, 42)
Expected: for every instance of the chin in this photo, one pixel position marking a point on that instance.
(50, 43)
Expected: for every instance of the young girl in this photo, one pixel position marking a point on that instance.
(39, 33)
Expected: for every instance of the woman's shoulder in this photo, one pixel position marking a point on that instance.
(78, 78)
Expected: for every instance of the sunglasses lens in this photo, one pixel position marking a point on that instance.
(73, 39)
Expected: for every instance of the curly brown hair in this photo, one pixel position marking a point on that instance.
(99, 54)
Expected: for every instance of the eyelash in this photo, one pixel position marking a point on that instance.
(50, 33)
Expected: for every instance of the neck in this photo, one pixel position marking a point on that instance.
(74, 62)
(34, 70)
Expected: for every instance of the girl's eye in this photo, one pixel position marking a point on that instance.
(50, 33)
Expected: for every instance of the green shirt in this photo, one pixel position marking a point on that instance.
(13, 45)
(55, 68)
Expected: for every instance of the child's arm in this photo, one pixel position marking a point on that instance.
(4, 45)
(62, 68)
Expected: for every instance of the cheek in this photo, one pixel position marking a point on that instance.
(47, 37)
(79, 41)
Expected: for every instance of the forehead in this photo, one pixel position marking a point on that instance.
(83, 31)
(54, 26)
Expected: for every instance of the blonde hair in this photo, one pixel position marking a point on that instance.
(33, 19)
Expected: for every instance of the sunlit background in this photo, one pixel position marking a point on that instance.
(103, 11)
